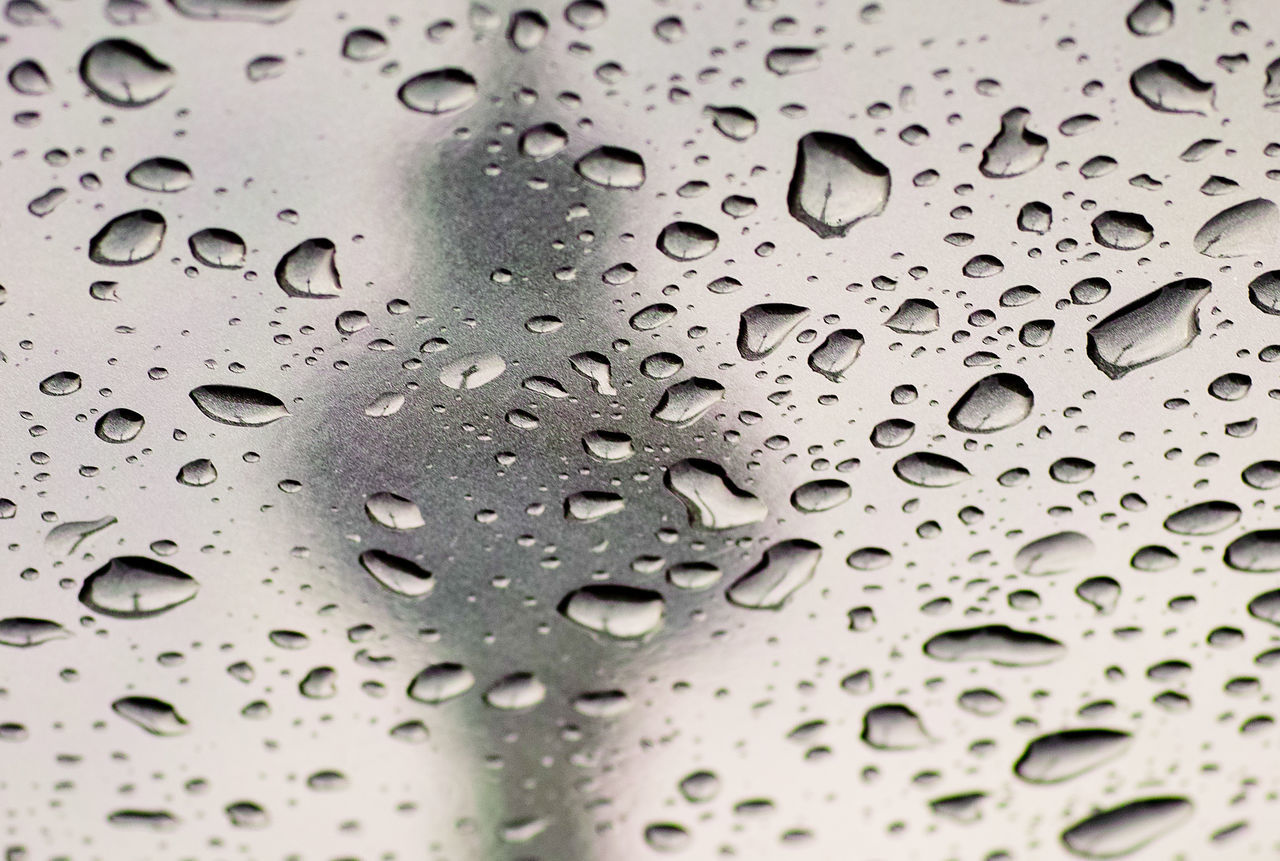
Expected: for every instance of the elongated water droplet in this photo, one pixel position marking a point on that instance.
(1063, 755)
(587, 505)
(160, 174)
(516, 692)
(439, 683)
(930, 469)
(1166, 86)
(684, 240)
(155, 716)
(685, 402)
(1149, 329)
(1249, 229)
(784, 568)
(1125, 829)
(999, 644)
(128, 239)
(22, 632)
(1255, 552)
(238, 406)
(398, 574)
(821, 495)
(64, 538)
(1054, 554)
(618, 611)
(260, 11)
(763, 328)
(472, 370)
(440, 91)
(393, 511)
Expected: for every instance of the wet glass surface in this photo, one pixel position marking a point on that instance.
(611, 430)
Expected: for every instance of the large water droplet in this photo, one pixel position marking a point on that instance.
(119, 425)
(22, 632)
(398, 574)
(440, 91)
(784, 568)
(260, 11)
(135, 587)
(1150, 17)
(309, 270)
(472, 370)
(1167, 86)
(1203, 518)
(218, 248)
(393, 511)
(711, 497)
(1063, 755)
(992, 404)
(516, 692)
(929, 469)
(128, 239)
(123, 74)
(587, 505)
(893, 727)
(999, 644)
(238, 406)
(612, 167)
(1054, 554)
(1249, 229)
(685, 240)
(836, 354)
(763, 328)
(1123, 231)
(835, 184)
(618, 611)
(1148, 329)
(155, 716)
(1255, 552)
(685, 402)
(439, 683)
(1123, 830)
(1015, 149)
(820, 495)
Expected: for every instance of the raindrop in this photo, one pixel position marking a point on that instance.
(835, 184)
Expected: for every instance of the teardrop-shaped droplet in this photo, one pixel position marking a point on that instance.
(123, 74)
(310, 270)
(837, 353)
(1122, 231)
(238, 406)
(685, 402)
(440, 91)
(835, 184)
(135, 587)
(61, 383)
(823, 494)
(198, 473)
(128, 239)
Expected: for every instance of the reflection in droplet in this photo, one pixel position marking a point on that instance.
(1122, 830)
(1148, 329)
(237, 405)
(440, 91)
(135, 587)
(835, 184)
(124, 74)
(784, 568)
(128, 239)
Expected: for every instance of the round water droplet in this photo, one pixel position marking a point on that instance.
(440, 91)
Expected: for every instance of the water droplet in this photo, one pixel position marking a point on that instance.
(135, 587)
(783, 569)
(1015, 149)
(1203, 518)
(260, 11)
(1125, 829)
(1063, 755)
(623, 612)
(439, 683)
(1101, 592)
(238, 406)
(472, 370)
(1148, 329)
(516, 692)
(992, 404)
(541, 142)
(123, 74)
(1054, 554)
(28, 78)
(733, 122)
(160, 174)
(915, 317)
(119, 425)
(820, 495)
(128, 239)
(1249, 229)
(1123, 231)
(1150, 17)
(309, 270)
(608, 445)
(61, 383)
(893, 727)
(836, 354)
(440, 91)
(712, 499)
(667, 837)
(929, 469)
(685, 402)
(763, 328)
(218, 248)
(612, 167)
(393, 511)
(587, 505)
(22, 632)
(198, 473)
(155, 716)
(1166, 86)
(999, 644)
(835, 184)
(1255, 552)
(398, 574)
(364, 44)
(684, 240)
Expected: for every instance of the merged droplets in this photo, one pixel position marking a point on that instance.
(1249, 229)
(135, 587)
(763, 328)
(711, 497)
(128, 239)
(999, 644)
(835, 184)
(784, 568)
(440, 91)
(1015, 149)
(124, 74)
